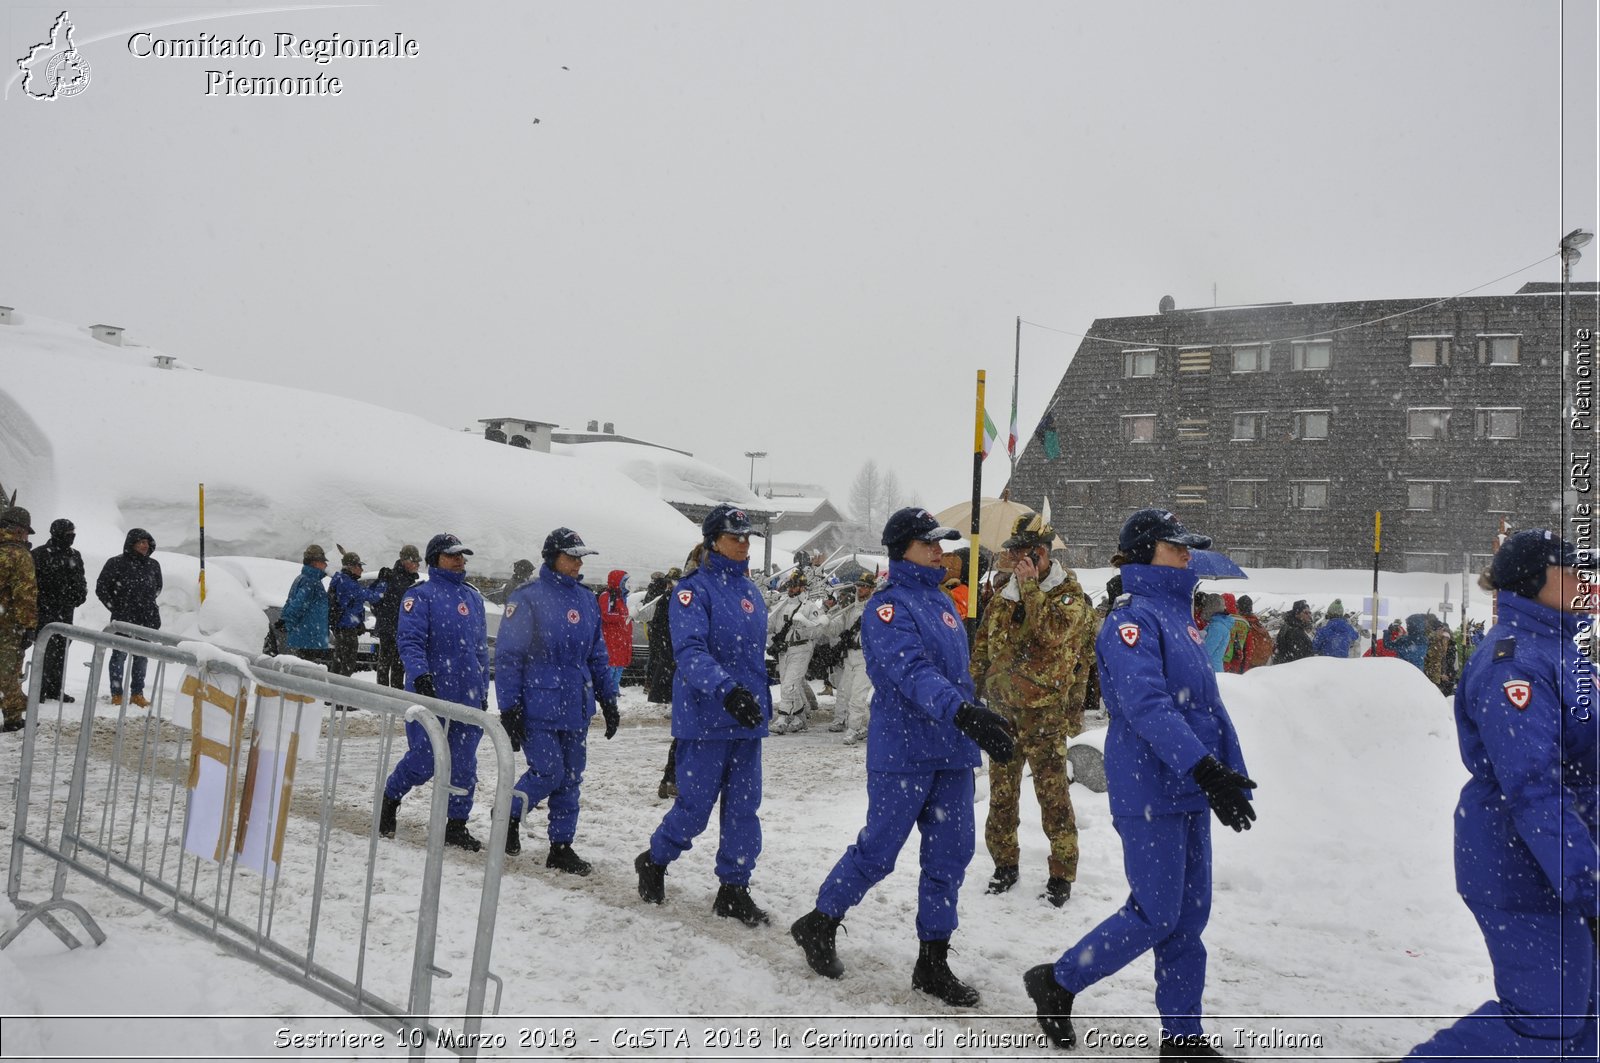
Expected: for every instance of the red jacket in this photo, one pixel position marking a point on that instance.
(615, 623)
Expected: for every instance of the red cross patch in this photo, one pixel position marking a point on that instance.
(1129, 633)
(407, 604)
(1518, 692)
(685, 597)
(949, 621)
(747, 605)
(461, 607)
(886, 612)
(1194, 633)
(511, 610)
(572, 616)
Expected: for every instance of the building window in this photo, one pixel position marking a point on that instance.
(1138, 363)
(1425, 494)
(1430, 350)
(1311, 354)
(1245, 558)
(1423, 561)
(1139, 428)
(1499, 423)
(1311, 424)
(1244, 494)
(1480, 562)
(1309, 494)
(1249, 425)
(1134, 494)
(1308, 559)
(1079, 493)
(1499, 496)
(1428, 423)
(1252, 358)
(1500, 350)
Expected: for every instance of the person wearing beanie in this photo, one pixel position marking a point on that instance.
(303, 620)
(444, 645)
(1258, 644)
(1337, 637)
(1527, 834)
(720, 707)
(396, 580)
(349, 598)
(128, 586)
(923, 743)
(1172, 759)
(19, 613)
(1294, 637)
(62, 588)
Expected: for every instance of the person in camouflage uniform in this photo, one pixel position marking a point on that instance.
(1032, 659)
(19, 612)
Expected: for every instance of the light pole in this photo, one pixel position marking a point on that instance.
(1570, 244)
(753, 455)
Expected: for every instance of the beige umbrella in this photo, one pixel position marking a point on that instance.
(999, 516)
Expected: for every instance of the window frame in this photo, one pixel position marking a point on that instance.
(1486, 346)
(1438, 497)
(1088, 487)
(1127, 423)
(1444, 432)
(1483, 416)
(1304, 553)
(1297, 494)
(1131, 358)
(1255, 493)
(1262, 351)
(1297, 425)
(1298, 350)
(1441, 351)
(1261, 426)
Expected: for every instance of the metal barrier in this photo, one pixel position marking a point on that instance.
(125, 802)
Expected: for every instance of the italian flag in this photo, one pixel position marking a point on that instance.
(990, 433)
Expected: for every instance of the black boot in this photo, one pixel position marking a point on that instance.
(1054, 1004)
(1057, 890)
(1190, 1046)
(456, 834)
(814, 932)
(733, 902)
(514, 836)
(386, 818)
(562, 858)
(652, 878)
(932, 976)
(667, 789)
(1004, 877)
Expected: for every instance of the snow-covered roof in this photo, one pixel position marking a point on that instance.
(670, 475)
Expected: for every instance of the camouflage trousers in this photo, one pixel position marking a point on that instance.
(13, 699)
(1045, 752)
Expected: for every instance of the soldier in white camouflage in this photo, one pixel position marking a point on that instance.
(1032, 659)
(19, 612)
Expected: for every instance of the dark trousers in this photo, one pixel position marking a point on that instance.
(345, 646)
(391, 673)
(55, 658)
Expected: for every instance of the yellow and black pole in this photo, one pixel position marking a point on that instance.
(1377, 549)
(977, 499)
(202, 542)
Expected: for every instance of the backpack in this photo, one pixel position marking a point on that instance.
(1258, 645)
(1233, 655)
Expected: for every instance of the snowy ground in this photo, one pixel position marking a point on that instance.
(1335, 917)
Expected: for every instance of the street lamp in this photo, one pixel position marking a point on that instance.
(753, 455)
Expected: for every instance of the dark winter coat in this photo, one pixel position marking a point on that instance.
(62, 583)
(550, 655)
(1294, 641)
(386, 612)
(660, 634)
(130, 583)
(719, 638)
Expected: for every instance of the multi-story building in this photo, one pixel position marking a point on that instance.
(1279, 429)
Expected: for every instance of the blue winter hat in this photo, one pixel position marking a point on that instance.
(1520, 563)
(725, 520)
(914, 522)
(564, 541)
(1146, 527)
(444, 543)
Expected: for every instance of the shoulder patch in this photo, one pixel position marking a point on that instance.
(461, 607)
(1129, 634)
(409, 604)
(949, 620)
(511, 610)
(1505, 649)
(747, 605)
(886, 612)
(685, 597)
(1518, 691)
(572, 616)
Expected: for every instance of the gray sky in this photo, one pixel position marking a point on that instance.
(798, 227)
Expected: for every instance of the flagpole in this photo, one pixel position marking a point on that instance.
(1377, 551)
(977, 500)
(202, 543)
(1016, 377)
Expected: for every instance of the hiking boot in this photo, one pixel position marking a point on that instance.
(1190, 1046)
(837, 725)
(1054, 1004)
(1004, 877)
(814, 933)
(652, 878)
(514, 836)
(67, 699)
(13, 723)
(116, 699)
(932, 976)
(456, 833)
(562, 858)
(733, 902)
(1057, 890)
(667, 790)
(855, 737)
(386, 817)
(141, 701)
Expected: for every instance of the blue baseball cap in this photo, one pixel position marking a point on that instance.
(1146, 527)
(444, 543)
(915, 523)
(565, 541)
(1520, 563)
(726, 520)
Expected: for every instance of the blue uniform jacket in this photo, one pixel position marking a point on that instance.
(550, 655)
(305, 612)
(1527, 820)
(352, 599)
(1335, 638)
(1158, 686)
(915, 650)
(719, 641)
(442, 632)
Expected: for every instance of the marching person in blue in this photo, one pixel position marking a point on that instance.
(350, 600)
(1527, 862)
(550, 665)
(444, 645)
(1171, 751)
(922, 745)
(720, 707)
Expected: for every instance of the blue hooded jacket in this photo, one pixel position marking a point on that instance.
(1526, 715)
(915, 649)
(305, 612)
(1412, 647)
(1335, 638)
(1166, 712)
(442, 632)
(550, 655)
(352, 599)
(719, 640)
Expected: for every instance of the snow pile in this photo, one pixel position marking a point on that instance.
(667, 474)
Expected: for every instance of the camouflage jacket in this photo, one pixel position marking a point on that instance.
(19, 589)
(1034, 650)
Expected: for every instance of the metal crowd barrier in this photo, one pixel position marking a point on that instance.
(111, 800)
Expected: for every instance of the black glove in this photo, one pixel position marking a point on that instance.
(992, 731)
(511, 720)
(424, 685)
(279, 626)
(608, 709)
(1224, 789)
(743, 707)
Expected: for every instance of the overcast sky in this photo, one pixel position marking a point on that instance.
(797, 227)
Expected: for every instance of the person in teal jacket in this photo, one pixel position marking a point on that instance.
(304, 617)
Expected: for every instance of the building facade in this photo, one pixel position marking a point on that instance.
(1280, 429)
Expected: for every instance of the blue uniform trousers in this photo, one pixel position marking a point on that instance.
(709, 769)
(556, 760)
(1545, 973)
(1168, 863)
(939, 804)
(416, 767)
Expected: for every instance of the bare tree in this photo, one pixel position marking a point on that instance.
(894, 496)
(866, 495)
